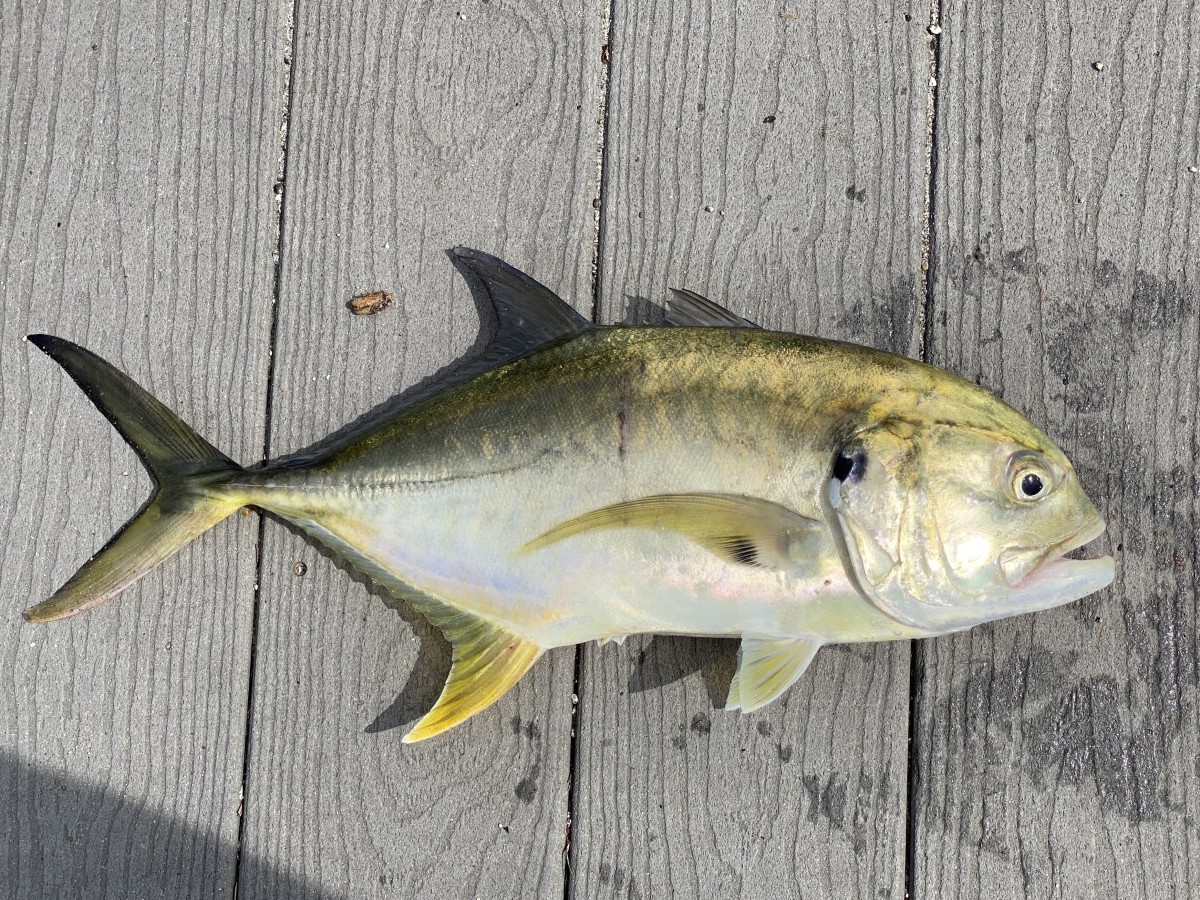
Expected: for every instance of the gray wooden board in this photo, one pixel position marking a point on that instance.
(771, 157)
(137, 148)
(414, 127)
(1056, 755)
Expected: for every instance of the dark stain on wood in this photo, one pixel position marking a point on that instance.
(527, 788)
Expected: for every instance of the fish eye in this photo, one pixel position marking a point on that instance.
(1029, 477)
(850, 465)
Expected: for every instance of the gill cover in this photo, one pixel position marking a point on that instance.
(886, 525)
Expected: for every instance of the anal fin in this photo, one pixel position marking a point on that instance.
(487, 660)
(766, 668)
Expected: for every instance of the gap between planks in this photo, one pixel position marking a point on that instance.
(288, 11)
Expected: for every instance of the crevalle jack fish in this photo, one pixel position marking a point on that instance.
(579, 482)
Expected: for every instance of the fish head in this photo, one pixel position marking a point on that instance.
(946, 525)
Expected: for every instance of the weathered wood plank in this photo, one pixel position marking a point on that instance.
(771, 157)
(137, 146)
(415, 127)
(1056, 754)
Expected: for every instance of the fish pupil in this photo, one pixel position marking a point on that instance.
(1031, 485)
(850, 468)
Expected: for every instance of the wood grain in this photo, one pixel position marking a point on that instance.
(136, 154)
(415, 127)
(772, 158)
(1056, 754)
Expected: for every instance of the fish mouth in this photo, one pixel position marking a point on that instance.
(1060, 577)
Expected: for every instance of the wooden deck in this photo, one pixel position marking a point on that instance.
(195, 191)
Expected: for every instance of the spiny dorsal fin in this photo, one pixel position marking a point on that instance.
(743, 530)
(689, 309)
(528, 314)
(766, 668)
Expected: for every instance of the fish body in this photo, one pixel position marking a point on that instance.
(449, 495)
(585, 483)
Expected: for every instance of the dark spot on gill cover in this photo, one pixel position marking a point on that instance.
(842, 466)
(850, 467)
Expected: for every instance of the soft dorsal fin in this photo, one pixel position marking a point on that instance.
(766, 668)
(746, 531)
(528, 314)
(689, 309)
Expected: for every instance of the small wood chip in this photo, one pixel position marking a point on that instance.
(369, 304)
(1098, 66)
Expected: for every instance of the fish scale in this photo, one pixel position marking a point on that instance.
(578, 482)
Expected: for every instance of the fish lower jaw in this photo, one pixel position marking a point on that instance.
(1063, 562)
(1063, 580)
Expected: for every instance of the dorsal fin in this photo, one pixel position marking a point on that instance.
(528, 314)
(689, 309)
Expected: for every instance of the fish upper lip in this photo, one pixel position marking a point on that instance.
(1056, 556)
(1084, 535)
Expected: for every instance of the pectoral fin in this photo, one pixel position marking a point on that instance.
(743, 530)
(487, 661)
(766, 668)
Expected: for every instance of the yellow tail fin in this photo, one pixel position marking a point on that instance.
(188, 474)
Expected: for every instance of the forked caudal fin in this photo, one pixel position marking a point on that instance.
(188, 472)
